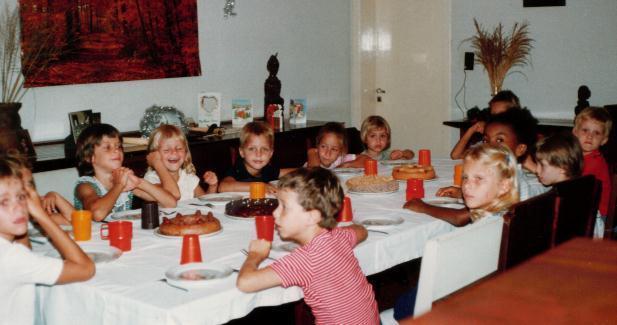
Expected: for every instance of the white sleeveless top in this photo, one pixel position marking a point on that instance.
(186, 182)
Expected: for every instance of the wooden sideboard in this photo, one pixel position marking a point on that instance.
(209, 153)
(546, 126)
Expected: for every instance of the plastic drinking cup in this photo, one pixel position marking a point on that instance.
(119, 233)
(257, 190)
(265, 227)
(415, 189)
(149, 215)
(82, 225)
(370, 167)
(346, 214)
(458, 175)
(191, 249)
(424, 157)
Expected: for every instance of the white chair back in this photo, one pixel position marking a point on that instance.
(61, 181)
(457, 259)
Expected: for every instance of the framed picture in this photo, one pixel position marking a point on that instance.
(544, 3)
(209, 109)
(241, 112)
(79, 121)
(297, 111)
(25, 144)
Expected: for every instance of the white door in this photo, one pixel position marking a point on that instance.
(402, 47)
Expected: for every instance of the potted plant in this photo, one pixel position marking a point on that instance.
(14, 66)
(498, 52)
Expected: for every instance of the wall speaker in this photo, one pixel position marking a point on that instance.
(468, 61)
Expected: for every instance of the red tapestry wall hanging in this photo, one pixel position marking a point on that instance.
(89, 41)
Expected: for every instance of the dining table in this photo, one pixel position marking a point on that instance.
(131, 288)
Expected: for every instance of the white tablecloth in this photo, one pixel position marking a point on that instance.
(126, 291)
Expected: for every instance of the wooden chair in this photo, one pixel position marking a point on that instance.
(612, 208)
(576, 208)
(527, 229)
(453, 261)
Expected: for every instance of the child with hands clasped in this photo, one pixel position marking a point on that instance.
(256, 150)
(20, 269)
(170, 165)
(376, 135)
(331, 151)
(324, 266)
(105, 186)
(592, 127)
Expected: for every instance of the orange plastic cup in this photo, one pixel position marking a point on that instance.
(346, 214)
(265, 227)
(424, 157)
(370, 167)
(415, 189)
(82, 225)
(257, 190)
(458, 175)
(191, 249)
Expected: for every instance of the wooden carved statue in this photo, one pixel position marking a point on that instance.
(272, 86)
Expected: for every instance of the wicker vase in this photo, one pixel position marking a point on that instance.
(9, 116)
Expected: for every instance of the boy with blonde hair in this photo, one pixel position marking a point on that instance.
(256, 150)
(592, 127)
(324, 266)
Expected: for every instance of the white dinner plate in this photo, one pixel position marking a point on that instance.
(98, 254)
(348, 171)
(426, 180)
(130, 215)
(285, 247)
(251, 218)
(371, 193)
(195, 275)
(221, 198)
(158, 234)
(445, 201)
(398, 162)
(379, 221)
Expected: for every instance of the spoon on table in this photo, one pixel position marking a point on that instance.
(209, 205)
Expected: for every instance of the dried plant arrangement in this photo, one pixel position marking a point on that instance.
(499, 52)
(15, 62)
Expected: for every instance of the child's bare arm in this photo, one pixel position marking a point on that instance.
(361, 233)
(457, 217)
(100, 206)
(230, 184)
(77, 265)
(356, 163)
(151, 192)
(312, 159)
(212, 181)
(285, 171)
(250, 278)
(463, 142)
(450, 191)
(167, 182)
(54, 202)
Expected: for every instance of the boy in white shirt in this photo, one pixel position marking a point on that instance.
(20, 269)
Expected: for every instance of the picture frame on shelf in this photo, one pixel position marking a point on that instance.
(241, 112)
(79, 121)
(208, 109)
(297, 111)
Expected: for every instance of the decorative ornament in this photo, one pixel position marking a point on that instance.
(228, 10)
(157, 115)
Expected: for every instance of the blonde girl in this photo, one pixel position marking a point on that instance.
(489, 180)
(331, 151)
(376, 136)
(170, 165)
(105, 186)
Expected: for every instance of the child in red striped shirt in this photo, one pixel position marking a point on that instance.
(324, 266)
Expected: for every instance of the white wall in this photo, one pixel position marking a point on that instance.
(574, 45)
(312, 38)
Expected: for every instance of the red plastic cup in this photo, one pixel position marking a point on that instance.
(265, 227)
(424, 157)
(191, 249)
(119, 234)
(415, 189)
(346, 214)
(370, 167)
(458, 175)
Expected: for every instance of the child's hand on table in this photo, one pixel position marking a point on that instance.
(270, 189)
(416, 205)
(396, 154)
(450, 191)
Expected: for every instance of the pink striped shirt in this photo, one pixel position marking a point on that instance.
(330, 277)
